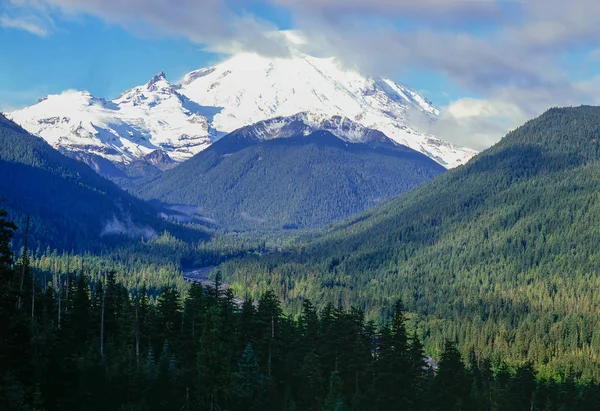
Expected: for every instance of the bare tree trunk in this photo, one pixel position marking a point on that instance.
(137, 331)
(59, 300)
(67, 284)
(32, 301)
(60, 288)
(271, 342)
(24, 265)
(102, 324)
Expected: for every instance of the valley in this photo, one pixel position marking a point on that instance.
(275, 233)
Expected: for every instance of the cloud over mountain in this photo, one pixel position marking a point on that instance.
(508, 58)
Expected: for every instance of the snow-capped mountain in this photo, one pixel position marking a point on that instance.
(307, 123)
(141, 120)
(182, 119)
(249, 88)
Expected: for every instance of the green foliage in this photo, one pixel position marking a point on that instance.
(93, 347)
(500, 253)
(302, 181)
(147, 264)
(7, 228)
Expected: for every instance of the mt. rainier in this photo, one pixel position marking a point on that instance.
(181, 120)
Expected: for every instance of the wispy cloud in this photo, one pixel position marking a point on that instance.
(512, 59)
(451, 12)
(26, 24)
(509, 53)
(217, 24)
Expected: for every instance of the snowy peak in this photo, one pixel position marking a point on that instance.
(138, 122)
(252, 88)
(159, 77)
(249, 88)
(183, 119)
(157, 89)
(308, 122)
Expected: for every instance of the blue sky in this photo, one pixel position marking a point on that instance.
(489, 64)
(106, 59)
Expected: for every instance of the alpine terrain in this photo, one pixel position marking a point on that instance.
(160, 124)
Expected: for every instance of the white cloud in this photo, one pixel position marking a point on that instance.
(218, 24)
(514, 61)
(481, 122)
(26, 24)
(509, 52)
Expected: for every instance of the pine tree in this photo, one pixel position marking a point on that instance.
(7, 229)
(334, 400)
(393, 377)
(309, 394)
(419, 373)
(213, 365)
(7, 300)
(249, 382)
(451, 386)
(522, 387)
(168, 317)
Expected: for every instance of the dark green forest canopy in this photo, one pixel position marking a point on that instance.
(71, 207)
(500, 253)
(71, 343)
(301, 181)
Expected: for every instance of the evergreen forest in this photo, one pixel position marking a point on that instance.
(73, 343)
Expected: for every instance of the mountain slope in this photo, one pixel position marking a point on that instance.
(249, 88)
(134, 125)
(183, 119)
(256, 178)
(308, 122)
(502, 251)
(71, 206)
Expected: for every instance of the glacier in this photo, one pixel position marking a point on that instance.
(180, 120)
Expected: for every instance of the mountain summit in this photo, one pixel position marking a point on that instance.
(183, 119)
(138, 122)
(249, 88)
(291, 174)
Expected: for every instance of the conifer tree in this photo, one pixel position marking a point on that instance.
(393, 378)
(249, 382)
(452, 385)
(213, 365)
(334, 400)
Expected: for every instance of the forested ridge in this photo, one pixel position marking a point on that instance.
(500, 253)
(495, 262)
(300, 181)
(70, 206)
(75, 343)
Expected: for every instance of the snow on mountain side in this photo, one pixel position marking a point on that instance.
(138, 122)
(249, 88)
(182, 120)
(307, 123)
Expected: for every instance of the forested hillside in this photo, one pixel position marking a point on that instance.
(70, 343)
(70, 206)
(301, 181)
(499, 254)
